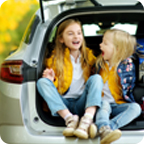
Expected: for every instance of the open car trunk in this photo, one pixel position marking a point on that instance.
(95, 21)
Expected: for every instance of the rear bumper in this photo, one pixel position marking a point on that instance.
(19, 135)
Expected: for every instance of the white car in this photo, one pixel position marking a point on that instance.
(24, 118)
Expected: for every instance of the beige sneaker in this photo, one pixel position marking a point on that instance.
(71, 123)
(86, 128)
(92, 131)
(108, 135)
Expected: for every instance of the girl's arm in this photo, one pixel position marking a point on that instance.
(50, 64)
(49, 73)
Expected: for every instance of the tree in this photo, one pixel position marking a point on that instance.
(14, 18)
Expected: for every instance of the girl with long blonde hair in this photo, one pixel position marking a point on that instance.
(66, 86)
(116, 67)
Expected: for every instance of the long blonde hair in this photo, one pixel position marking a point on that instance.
(60, 49)
(124, 47)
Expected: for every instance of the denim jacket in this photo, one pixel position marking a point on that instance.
(126, 72)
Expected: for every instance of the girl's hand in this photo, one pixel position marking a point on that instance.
(49, 73)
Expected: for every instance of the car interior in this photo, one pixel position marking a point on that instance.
(133, 23)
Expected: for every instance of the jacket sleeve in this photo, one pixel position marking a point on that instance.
(126, 72)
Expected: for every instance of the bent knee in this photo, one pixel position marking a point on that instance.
(43, 81)
(96, 78)
(106, 106)
(40, 81)
(136, 107)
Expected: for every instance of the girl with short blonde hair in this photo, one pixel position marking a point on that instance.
(116, 67)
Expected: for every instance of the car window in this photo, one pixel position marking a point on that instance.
(94, 29)
(28, 36)
(52, 36)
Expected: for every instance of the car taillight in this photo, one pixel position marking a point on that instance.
(11, 71)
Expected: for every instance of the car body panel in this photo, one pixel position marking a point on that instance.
(10, 112)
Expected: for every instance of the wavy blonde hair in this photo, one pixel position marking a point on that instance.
(124, 47)
(60, 49)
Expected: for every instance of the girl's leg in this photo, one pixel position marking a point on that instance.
(103, 114)
(57, 105)
(90, 100)
(102, 121)
(124, 114)
(93, 92)
(91, 97)
(50, 94)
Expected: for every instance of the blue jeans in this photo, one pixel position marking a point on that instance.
(90, 97)
(122, 114)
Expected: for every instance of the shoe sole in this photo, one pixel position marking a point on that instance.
(81, 134)
(116, 134)
(92, 131)
(68, 132)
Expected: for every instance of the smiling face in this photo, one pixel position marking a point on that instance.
(107, 47)
(72, 37)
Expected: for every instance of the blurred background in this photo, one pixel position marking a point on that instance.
(14, 18)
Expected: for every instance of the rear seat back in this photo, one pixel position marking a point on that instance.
(93, 43)
(139, 88)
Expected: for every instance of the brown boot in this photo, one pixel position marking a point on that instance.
(71, 123)
(108, 135)
(86, 128)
